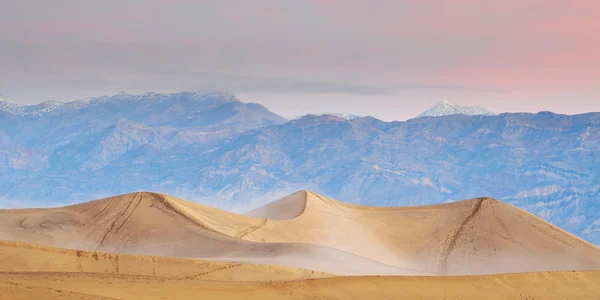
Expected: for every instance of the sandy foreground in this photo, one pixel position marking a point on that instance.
(304, 246)
(551, 285)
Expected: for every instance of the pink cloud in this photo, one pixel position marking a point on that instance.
(507, 44)
(496, 44)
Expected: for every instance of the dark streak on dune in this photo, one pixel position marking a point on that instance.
(502, 224)
(231, 266)
(89, 208)
(121, 213)
(449, 246)
(131, 213)
(251, 229)
(105, 207)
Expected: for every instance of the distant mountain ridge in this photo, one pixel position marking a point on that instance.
(445, 108)
(212, 111)
(91, 133)
(217, 150)
(339, 115)
(149, 99)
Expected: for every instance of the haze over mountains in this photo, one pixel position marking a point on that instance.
(216, 150)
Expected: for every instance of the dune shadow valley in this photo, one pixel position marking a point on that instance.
(304, 246)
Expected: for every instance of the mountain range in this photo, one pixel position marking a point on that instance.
(214, 149)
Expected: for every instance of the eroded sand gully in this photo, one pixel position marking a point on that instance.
(152, 237)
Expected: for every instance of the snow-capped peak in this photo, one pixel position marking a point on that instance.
(10, 106)
(347, 116)
(445, 108)
(42, 108)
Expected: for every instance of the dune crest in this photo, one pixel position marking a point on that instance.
(286, 208)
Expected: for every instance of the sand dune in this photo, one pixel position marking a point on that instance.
(306, 230)
(152, 224)
(300, 247)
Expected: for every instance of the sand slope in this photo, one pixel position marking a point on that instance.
(18, 257)
(477, 236)
(547, 286)
(307, 230)
(37, 272)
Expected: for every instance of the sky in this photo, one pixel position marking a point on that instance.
(391, 59)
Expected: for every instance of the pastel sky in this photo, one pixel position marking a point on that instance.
(388, 58)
